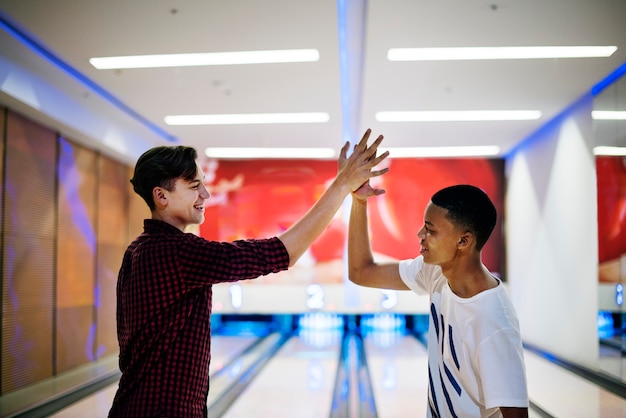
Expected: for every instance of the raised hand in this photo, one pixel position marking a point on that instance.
(365, 191)
(353, 173)
(356, 170)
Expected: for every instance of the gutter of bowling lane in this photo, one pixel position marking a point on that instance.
(229, 382)
(353, 395)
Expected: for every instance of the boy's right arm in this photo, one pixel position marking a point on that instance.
(362, 269)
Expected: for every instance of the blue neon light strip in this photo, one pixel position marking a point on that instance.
(344, 83)
(610, 79)
(34, 46)
(537, 135)
(595, 90)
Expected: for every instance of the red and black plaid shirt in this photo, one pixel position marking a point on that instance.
(163, 315)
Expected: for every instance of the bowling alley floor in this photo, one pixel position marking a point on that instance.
(298, 378)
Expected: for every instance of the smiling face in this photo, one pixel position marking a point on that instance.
(185, 202)
(439, 238)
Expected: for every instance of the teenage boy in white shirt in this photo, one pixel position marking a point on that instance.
(476, 362)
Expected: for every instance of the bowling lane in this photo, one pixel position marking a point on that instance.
(398, 367)
(297, 382)
(562, 393)
(223, 350)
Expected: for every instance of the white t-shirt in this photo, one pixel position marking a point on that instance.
(475, 354)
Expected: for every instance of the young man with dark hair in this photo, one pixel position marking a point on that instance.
(165, 282)
(475, 355)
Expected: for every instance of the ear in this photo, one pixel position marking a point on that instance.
(159, 195)
(466, 240)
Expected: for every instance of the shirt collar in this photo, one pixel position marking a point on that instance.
(154, 226)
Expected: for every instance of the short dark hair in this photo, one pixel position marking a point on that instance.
(470, 208)
(160, 167)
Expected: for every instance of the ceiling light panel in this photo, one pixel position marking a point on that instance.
(248, 118)
(609, 151)
(460, 151)
(608, 114)
(498, 53)
(209, 58)
(457, 115)
(269, 153)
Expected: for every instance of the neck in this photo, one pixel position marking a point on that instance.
(469, 278)
(161, 216)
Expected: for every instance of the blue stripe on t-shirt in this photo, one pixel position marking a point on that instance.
(434, 407)
(452, 349)
(443, 334)
(452, 380)
(433, 314)
(447, 396)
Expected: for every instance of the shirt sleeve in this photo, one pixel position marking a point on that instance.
(412, 274)
(204, 261)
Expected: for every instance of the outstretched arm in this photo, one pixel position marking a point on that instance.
(362, 269)
(353, 172)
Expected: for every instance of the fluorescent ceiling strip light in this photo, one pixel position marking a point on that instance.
(246, 119)
(457, 115)
(264, 153)
(610, 151)
(209, 58)
(460, 151)
(498, 53)
(608, 114)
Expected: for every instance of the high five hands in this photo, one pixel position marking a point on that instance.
(358, 167)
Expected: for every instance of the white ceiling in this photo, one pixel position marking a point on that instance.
(76, 30)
